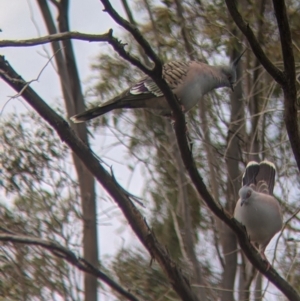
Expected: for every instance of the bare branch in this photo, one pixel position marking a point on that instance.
(69, 256)
(286, 42)
(57, 37)
(289, 86)
(133, 22)
(133, 30)
(107, 37)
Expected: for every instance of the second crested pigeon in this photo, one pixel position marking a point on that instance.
(189, 82)
(257, 209)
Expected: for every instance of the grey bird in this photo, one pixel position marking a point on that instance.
(257, 209)
(189, 82)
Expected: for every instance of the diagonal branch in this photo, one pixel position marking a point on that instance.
(256, 48)
(133, 30)
(286, 41)
(69, 256)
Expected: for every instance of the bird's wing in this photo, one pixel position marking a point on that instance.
(146, 86)
(173, 72)
(265, 179)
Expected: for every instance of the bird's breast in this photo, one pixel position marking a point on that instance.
(261, 219)
(190, 94)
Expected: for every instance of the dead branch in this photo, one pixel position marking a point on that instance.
(57, 37)
(68, 255)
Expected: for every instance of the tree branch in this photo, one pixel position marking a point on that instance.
(257, 50)
(107, 37)
(133, 22)
(289, 86)
(68, 255)
(133, 30)
(57, 37)
(286, 41)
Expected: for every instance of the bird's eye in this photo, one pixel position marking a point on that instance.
(248, 194)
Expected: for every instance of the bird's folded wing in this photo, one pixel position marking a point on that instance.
(146, 86)
(173, 73)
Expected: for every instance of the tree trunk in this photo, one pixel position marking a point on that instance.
(74, 101)
(233, 157)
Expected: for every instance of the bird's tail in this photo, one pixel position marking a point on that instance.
(251, 171)
(266, 175)
(262, 175)
(92, 113)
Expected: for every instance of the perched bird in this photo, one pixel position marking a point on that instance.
(257, 209)
(188, 81)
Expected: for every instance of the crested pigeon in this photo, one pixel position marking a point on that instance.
(257, 209)
(188, 81)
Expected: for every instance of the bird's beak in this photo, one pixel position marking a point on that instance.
(231, 86)
(243, 202)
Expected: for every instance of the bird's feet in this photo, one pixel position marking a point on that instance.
(263, 256)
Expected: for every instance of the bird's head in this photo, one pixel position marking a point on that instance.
(245, 194)
(230, 72)
(230, 76)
